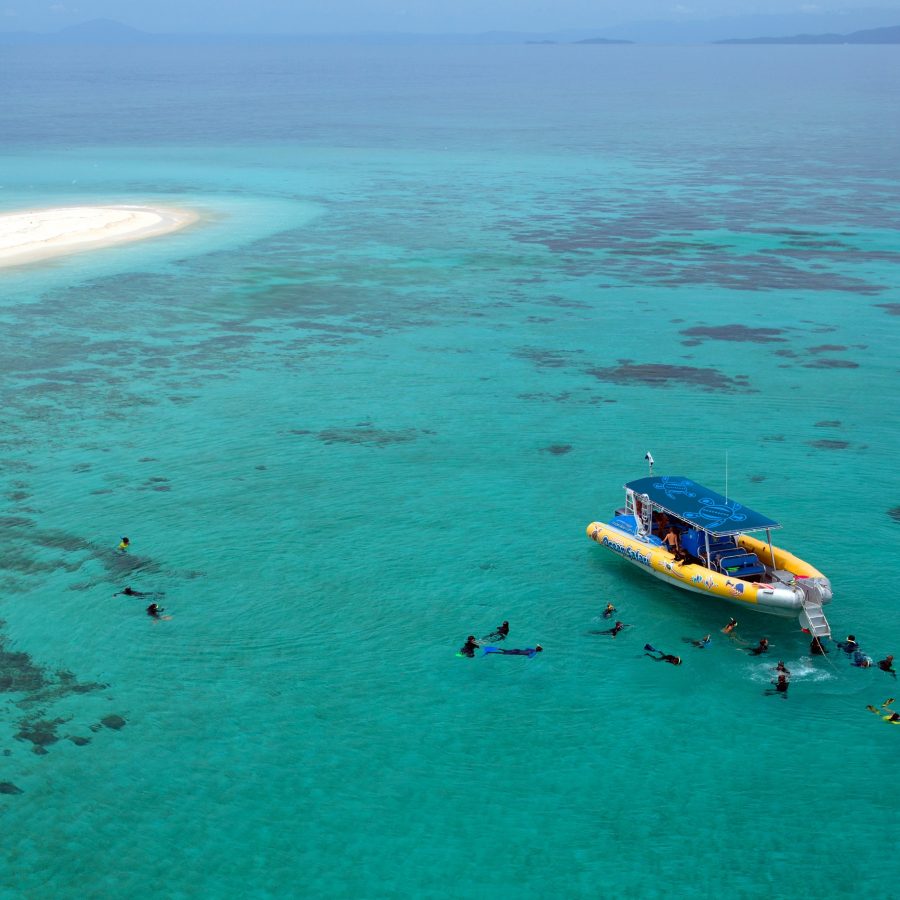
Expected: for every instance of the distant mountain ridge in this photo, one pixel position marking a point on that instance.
(889, 35)
(726, 30)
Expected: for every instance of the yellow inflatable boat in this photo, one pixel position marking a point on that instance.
(696, 539)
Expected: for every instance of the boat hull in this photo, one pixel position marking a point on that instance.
(775, 599)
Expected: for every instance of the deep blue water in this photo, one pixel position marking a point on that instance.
(441, 303)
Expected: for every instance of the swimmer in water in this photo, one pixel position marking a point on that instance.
(498, 634)
(608, 612)
(703, 643)
(781, 667)
(123, 545)
(469, 647)
(860, 660)
(526, 651)
(886, 665)
(155, 610)
(849, 646)
(760, 648)
(817, 648)
(131, 592)
(663, 657)
(732, 624)
(614, 630)
(781, 686)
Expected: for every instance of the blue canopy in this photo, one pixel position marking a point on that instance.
(703, 508)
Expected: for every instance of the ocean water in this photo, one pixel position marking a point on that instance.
(441, 303)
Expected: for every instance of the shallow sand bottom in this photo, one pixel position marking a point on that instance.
(39, 234)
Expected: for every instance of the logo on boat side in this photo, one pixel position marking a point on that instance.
(630, 552)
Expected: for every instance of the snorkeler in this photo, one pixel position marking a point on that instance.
(849, 646)
(526, 651)
(860, 660)
(761, 647)
(781, 667)
(610, 609)
(469, 647)
(886, 665)
(498, 634)
(817, 648)
(703, 643)
(781, 686)
(131, 592)
(732, 624)
(123, 545)
(612, 632)
(663, 657)
(155, 610)
(892, 717)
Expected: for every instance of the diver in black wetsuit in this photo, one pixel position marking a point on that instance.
(527, 651)
(612, 632)
(131, 592)
(849, 646)
(781, 686)
(469, 647)
(665, 657)
(155, 610)
(762, 647)
(498, 634)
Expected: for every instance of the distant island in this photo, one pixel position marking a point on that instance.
(601, 41)
(889, 35)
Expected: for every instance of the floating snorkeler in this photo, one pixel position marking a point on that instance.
(499, 633)
(525, 651)
(155, 611)
(608, 612)
(886, 665)
(469, 647)
(123, 545)
(663, 657)
(131, 592)
(732, 624)
(781, 686)
(892, 717)
(612, 632)
(781, 667)
(760, 648)
(702, 644)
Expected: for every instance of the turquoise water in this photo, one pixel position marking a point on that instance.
(441, 303)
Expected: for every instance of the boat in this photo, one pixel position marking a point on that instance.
(723, 553)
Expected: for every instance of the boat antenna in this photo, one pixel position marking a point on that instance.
(726, 473)
(649, 458)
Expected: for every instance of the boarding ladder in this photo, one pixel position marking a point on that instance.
(812, 617)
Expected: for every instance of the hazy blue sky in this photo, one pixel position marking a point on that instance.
(312, 16)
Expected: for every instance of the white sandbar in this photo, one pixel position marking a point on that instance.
(37, 234)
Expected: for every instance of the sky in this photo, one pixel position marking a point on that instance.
(425, 16)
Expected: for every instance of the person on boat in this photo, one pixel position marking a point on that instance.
(860, 660)
(817, 648)
(498, 634)
(732, 624)
(469, 647)
(781, 686)
(663, 657)
(661, 525)
(610, 609)
(673, 545)
(131, 592)
(155, 610)
(524, 651)
(781, 667)
(887, 665)
(123, 545)
(760, 648)
(849, 646)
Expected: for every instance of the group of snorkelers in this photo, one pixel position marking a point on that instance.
(487, 643)
(154, 610)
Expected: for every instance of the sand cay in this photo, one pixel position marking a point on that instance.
(39, 234)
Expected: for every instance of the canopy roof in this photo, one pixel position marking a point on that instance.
(703, 508)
